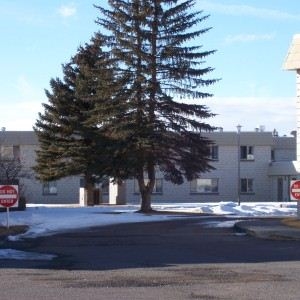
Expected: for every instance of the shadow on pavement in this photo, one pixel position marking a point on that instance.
(156, 244)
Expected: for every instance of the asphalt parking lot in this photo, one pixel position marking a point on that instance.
(177, 259)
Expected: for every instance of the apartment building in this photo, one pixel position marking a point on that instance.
(244, 171)
(249, 166)
(21, 146)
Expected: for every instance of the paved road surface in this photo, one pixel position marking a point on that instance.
(178, 259)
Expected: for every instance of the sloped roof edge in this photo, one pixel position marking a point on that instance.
(292, 60)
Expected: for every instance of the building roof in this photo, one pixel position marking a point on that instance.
(10, 138)
(284, 168)
(285, 143)
(246, 138)
(292, 60)
(219, 138)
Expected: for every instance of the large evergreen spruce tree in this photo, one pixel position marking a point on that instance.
(157, 44)
(69, 145)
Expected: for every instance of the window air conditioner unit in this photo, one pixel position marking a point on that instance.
(250, 157)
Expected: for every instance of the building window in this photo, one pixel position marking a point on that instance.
(16, 152)
(247, 152)
(6, 152)
(105, 187)
(247, 185)
(214, 152)
(200, 185)
(158, 186)
(50, 188)
(10, 152)
(272, 155)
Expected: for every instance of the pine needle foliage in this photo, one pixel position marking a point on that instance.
(69, 145)
(157, 45)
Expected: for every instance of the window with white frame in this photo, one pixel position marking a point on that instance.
(158, 186)
(6, 152)
(247, 185)
(50, 188)
(201, 185)
(10, 152)
(247, 152)
(214, 152)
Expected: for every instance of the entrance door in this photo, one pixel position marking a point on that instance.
(280, 189)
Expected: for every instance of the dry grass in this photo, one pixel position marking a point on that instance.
(291, 222)
(13, 230)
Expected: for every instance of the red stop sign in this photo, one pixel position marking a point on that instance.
(8, 195)
(295, 190)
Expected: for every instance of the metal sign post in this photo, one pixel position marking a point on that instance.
(7, 218)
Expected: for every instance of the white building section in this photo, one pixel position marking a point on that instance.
(256, 166)
(292, 63)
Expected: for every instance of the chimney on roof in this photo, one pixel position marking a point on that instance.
(262, 128)
(294, 133)
(275, 132)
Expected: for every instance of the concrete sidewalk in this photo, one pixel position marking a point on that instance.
(272, 229)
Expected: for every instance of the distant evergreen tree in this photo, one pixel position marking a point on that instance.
(156, 130)
(69, 145)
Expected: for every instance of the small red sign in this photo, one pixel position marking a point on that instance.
(8, 195)
(295, 190)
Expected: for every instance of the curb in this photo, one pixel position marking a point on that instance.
(279, 232)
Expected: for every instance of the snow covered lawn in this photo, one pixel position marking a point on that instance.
(49, 219)
(46, 220)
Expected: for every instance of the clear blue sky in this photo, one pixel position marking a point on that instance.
(251, 38)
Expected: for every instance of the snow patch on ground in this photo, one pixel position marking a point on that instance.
(46, 220)
(21, 255)
(223, 224)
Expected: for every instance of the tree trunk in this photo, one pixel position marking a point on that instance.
(146, 189)
(89, 187)
(146, 202)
